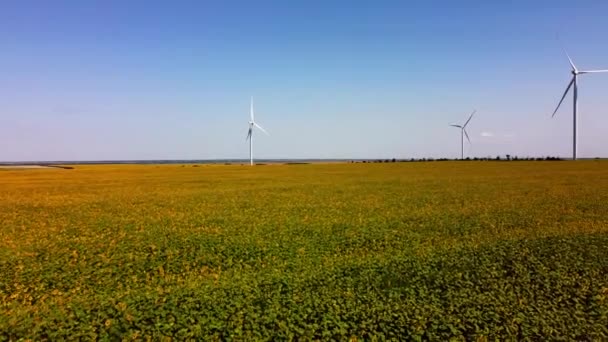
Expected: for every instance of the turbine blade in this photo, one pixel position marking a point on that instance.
(456, 126)
(570, 60)
(563, 96)
(248, 134)
(470, 117)
(567, 55)
(251, 109)
(260, 128)
(466, 135)
(591, 71)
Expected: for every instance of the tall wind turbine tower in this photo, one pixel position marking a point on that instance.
(574, 82)
(252, 124)
(463, 133)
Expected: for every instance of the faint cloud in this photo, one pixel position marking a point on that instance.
(66, 110)
(487, 134)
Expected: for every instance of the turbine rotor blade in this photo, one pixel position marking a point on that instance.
(248, 134)
(570, 60)
(563, 96)
(466, 135)
(567, 55)
(251, 109)
(260, 128)
(591, 71)
(456, 126)
(470, 117)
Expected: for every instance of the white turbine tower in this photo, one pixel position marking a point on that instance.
(574, 82)
(252, 124)
(463, 133)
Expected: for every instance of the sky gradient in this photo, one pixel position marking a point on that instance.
(124, 80)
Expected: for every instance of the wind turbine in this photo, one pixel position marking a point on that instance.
(463, 133)
(252, 124)
(574, 81)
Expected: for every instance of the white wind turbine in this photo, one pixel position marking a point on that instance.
(463, 133)
(574, 81)
(252, 124)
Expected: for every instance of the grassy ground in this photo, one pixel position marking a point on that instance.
(474, 250)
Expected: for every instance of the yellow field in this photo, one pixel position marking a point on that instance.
(395, 250)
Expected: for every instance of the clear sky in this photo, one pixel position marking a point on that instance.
(90, 80)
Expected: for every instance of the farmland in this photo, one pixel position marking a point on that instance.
(465, 250)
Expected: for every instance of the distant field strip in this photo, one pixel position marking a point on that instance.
(436, 250)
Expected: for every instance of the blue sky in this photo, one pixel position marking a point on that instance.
(89, 80)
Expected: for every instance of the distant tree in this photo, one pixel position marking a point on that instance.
(394, 160)
(498, 158)
(508, 157)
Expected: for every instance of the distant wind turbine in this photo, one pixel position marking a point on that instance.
(252, 124)
(463, 133)
(574, 81)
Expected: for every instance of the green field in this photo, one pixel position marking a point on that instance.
(437, 250)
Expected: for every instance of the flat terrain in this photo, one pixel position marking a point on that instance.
(12, 167)
(438, 250)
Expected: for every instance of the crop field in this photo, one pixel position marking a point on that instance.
(414, 251)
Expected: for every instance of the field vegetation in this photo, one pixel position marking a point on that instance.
(417, 251)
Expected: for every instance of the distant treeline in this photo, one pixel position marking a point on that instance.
(497, 158)
(59, 166)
